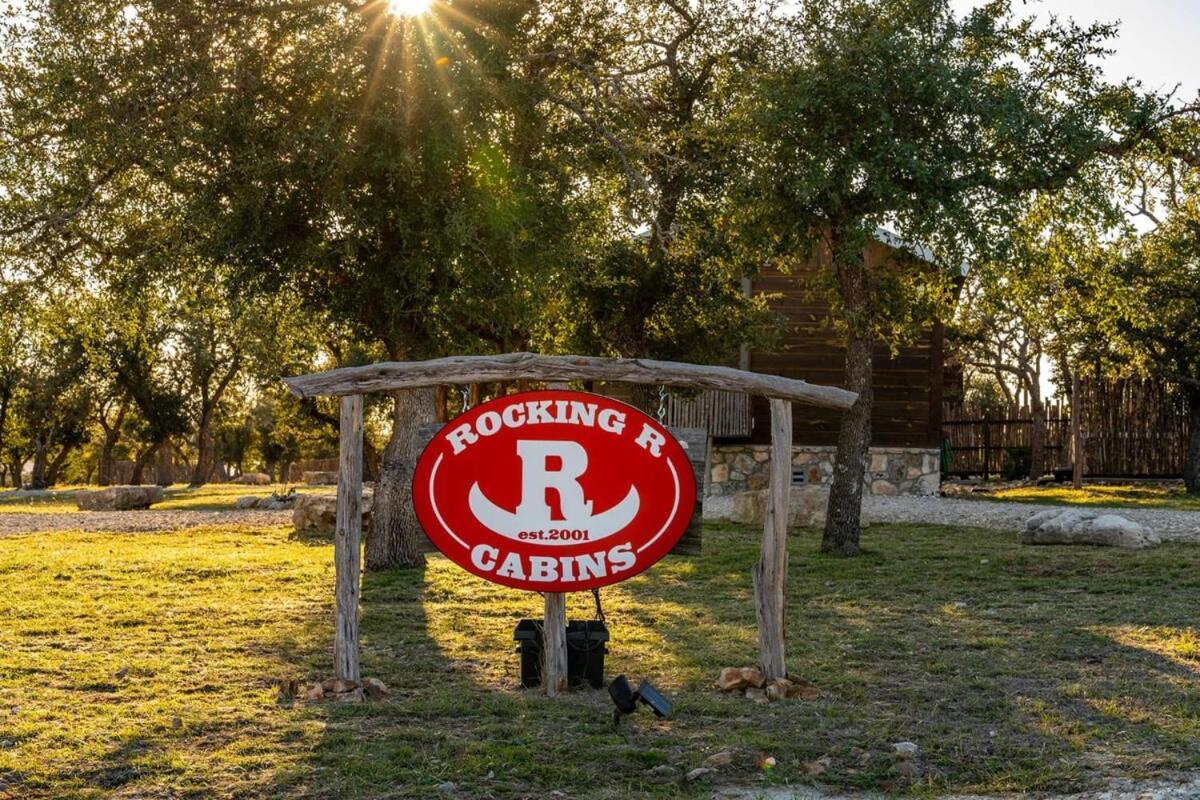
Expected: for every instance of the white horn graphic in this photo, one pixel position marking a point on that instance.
(510, 525)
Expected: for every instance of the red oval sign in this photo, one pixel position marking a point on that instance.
(554, 491)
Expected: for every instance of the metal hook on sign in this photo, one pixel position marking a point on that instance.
(466, 399)
(662, 404)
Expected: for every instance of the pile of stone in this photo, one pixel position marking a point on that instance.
(1076, 526)
(252, 479)
(317, 513)
(119, 498)
(270, 502)
(806, 506)
(347, 691)
(750, 683)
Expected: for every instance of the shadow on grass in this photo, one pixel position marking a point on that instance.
(311, 537)
(442, 642)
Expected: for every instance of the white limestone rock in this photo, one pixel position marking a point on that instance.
(318, 512)
(1080, 527)
(806, 506)
(252, 479)
(119, 498)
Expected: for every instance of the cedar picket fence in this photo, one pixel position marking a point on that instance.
(1132, 429)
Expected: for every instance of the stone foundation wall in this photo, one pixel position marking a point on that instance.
(741, 468)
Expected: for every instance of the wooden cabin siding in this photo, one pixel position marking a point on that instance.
(725, 415)
(908, 386)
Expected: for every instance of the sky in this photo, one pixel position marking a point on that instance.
(1159, 42)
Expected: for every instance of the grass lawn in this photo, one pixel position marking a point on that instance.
(1114, 496)
(146, 665)
(210, 497)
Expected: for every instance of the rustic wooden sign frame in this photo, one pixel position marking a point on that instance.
(350, 383)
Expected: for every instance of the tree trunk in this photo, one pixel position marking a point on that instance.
(112, 435)
(1191, 467)
(15, 467)
(396, 537)
(105, 470)
(371, 460)
(107, 463)
(139, 464)
(854, 439)
(37, 478)
(1037, 435)
(166, 465)
(56, 466)
(204, 454)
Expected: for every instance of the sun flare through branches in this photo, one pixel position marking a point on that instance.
(408, 8)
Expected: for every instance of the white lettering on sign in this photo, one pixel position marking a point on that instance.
(537, 477)
(651, 440)
(543, 412)
(555, 569)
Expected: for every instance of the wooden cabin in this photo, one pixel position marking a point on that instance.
(907, 417)
(908, 386)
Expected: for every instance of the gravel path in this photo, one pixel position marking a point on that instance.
(1004, 516)
(1172, 525)
(1178, 787)
(135, 521)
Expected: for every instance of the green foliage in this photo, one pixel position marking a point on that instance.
(1157, 275)
(902, 115)
(45, 401)
(640, 92)
(387, 168)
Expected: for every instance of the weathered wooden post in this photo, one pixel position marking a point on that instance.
(554, 629)
(347, 540)
(554, 643)
(770, 574)
(987, 444)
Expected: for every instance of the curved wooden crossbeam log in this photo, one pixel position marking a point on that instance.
(391, 375)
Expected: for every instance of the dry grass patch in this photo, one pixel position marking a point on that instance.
(1165, 496)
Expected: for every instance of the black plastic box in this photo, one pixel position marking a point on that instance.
(529, 635)
(586, 648)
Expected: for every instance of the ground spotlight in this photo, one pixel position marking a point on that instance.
(626, 699)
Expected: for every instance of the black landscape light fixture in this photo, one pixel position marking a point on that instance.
(626, 699)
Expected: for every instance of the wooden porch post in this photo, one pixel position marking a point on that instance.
(347, 540)
(770, 574)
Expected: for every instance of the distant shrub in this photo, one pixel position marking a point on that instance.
(1017, 461)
